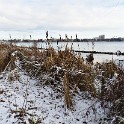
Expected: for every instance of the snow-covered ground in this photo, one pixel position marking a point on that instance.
(23, 100)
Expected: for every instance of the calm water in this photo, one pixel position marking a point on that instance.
(88, 46)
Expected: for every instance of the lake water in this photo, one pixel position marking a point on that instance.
(87, 46)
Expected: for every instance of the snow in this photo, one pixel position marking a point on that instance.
(43, 103)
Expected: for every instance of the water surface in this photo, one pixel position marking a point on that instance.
(87, 46)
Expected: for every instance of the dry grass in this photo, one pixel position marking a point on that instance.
(79, 75)
(68, 96)
(4, 56)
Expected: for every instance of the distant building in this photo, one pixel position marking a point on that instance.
(101, 36)
(96, 38)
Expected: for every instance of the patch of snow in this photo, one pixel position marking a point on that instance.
(43, 102)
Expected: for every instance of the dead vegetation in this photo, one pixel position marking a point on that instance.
(67, 72)
(4, 56)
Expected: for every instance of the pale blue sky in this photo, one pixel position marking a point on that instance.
(89, 18)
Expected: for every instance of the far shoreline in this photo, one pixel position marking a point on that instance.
(65, 40)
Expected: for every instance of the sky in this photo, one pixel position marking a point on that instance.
(87, 18)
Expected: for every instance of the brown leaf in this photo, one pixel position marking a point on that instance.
(1, 91)
(1, 100)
